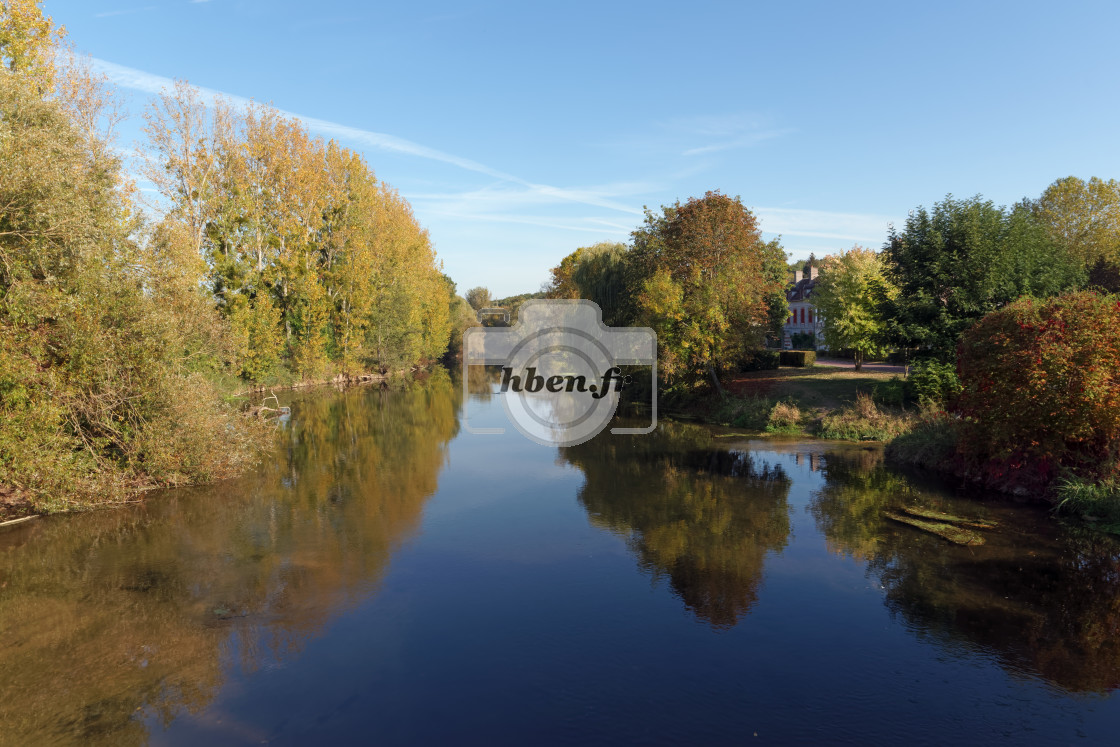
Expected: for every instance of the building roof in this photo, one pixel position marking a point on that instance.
(802, 287)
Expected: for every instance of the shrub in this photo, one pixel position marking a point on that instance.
(1041, 389)
(785, 417)
(893, 392)
(931, 443)
(1096, 500)
(798, 358)
(752, 413)
(863, 421)
(760, 360)
(933, 384)
(803, 341)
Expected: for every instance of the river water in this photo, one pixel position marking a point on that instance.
(387, 577)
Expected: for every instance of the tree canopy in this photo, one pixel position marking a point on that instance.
(851, 295)
(964, 258)
(1084, 217)
(707, 283)
(316, 264)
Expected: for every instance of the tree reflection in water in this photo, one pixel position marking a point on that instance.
(105, 614)
(1043, 598)
(704, 517)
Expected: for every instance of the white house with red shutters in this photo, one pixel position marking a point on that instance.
(803, 316)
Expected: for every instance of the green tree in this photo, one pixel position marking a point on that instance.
(851, 296)
(965, 258)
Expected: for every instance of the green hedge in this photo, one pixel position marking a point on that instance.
(798, 358)
(760, 360)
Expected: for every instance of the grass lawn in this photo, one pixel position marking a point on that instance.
(819, 387)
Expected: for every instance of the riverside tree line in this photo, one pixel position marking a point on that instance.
(1011, 313)
(275, 257)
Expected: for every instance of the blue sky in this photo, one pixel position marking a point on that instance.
(520, 131)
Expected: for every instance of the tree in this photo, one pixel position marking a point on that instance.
(562, 283)
(705, 281)
(851, 296)
(478, 297)
(1042, 389)
(28, 41)
(315, 263)
(963, 259)
(103, 352)
(1084, 217)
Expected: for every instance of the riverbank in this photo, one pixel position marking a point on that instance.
(17, 503)
(821, 401)
(833, 403)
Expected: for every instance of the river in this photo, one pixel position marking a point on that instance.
(388, 577)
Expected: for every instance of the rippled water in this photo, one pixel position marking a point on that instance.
(387, 578)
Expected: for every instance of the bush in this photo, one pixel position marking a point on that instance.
(752, 413)
(863, 421)
(931, 443)
(933, 384)
(760, 360)
(803, 341)
(785, 417)
(798, 358)
(1098, 501)
(893, 393)
(1041, 392)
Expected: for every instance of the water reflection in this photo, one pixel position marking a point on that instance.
(1044, 599)
(704, 517)
(106, 614)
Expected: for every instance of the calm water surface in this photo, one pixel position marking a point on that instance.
(386, 578)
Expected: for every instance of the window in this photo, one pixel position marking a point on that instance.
(802, 314)
(810, 316)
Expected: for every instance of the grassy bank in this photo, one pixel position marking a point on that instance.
(819, 401)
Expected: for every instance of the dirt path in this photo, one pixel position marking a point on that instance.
(876, 367)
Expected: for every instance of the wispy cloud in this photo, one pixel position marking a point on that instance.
(505, 195)
(139, 80)
(581, 225)
(822, 224)
(729, 131)
(743, 141)
(123, 12)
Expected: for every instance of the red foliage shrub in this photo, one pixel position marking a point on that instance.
(1042, 389)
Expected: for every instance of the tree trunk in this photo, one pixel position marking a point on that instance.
(715, 380)
(858, 358)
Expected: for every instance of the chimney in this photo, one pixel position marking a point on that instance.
(797, 276)
(812, 272)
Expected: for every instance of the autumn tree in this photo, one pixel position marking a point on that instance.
(561, 283)
(706, 282)
(317, 265)
(851, 295)
(478, 297)
(102, 381)
(28, 43)
(1084, 218)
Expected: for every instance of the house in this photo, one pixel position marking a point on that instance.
(803, 316)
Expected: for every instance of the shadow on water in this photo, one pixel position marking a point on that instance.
(704, 517)
(1042, 597)
(143, 609)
